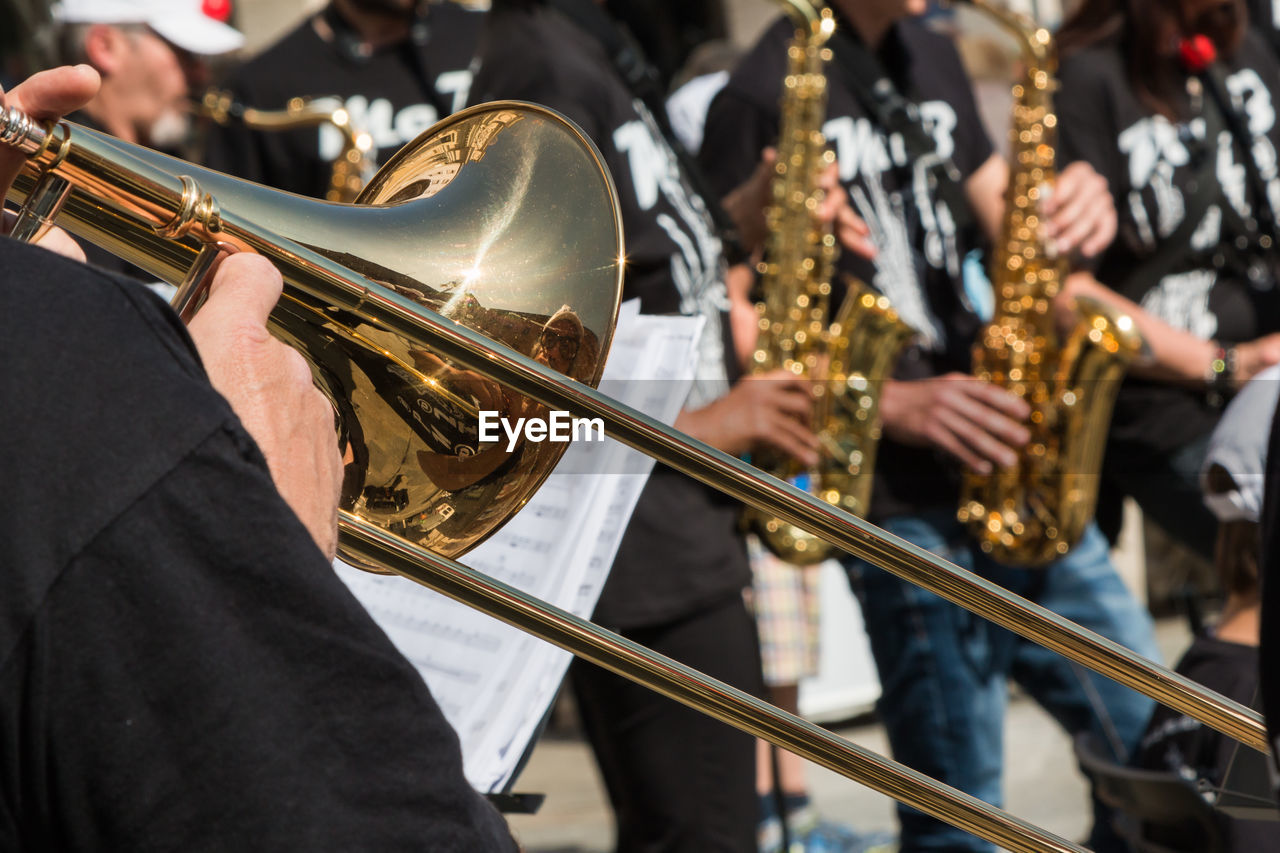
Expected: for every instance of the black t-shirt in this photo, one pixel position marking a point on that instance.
(920, 250)
(1150, 163)
(1177, 743)
(180, 668)
(1264, 16)
(394, 94)
(681, 550)
(1269, 648)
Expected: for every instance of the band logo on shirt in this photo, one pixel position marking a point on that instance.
(864, 154)
(391, 128)
(698, 266)
(1156, 149)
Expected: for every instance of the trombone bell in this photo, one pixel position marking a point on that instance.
(501, 218)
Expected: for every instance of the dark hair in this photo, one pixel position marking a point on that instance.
(1239, 544)
(1137, 28)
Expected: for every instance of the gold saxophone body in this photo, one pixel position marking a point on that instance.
(1037, 510)
(847, 355)
(351, 169)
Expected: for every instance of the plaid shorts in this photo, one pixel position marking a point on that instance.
(785, 601)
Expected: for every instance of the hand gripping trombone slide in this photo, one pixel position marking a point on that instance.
(174, 219)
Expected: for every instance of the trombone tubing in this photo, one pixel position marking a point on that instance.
(859, 538)
(691, 688)
(118, 177)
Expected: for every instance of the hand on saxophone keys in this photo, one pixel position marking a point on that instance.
(1081, 213)
(768, 410)
(977, 422)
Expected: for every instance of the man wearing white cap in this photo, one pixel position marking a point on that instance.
(151, 55)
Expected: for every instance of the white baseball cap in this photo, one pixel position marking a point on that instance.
(193, 25)
(1239, 445)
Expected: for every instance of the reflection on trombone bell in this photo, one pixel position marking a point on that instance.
(452, 417)
(352, 168)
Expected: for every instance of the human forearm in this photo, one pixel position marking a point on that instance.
(1173, 355)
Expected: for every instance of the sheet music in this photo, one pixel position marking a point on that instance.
(495, 682)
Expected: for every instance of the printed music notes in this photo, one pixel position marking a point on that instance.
(494, 682)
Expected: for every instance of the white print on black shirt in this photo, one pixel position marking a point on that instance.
(865, 152)
(391, 129)
(697, 269)
(1155, 151)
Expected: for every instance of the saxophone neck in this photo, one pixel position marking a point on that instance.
(814, 22)
(1035, 41)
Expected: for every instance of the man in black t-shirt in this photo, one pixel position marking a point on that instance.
(152, 57)
(929, 205)
(677, 780)
(180, 668)
(395, 66)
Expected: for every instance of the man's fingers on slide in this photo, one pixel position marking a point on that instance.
(797, 402)
(246, 286)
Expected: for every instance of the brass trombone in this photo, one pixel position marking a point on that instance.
(475, 305)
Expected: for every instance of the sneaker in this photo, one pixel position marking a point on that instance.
(769, 835)
(830, 837)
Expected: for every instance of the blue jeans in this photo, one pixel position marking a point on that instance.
(944, 671)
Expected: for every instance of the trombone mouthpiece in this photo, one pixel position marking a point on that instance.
(18, 131)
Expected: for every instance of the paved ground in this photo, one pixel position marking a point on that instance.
(1041, 782)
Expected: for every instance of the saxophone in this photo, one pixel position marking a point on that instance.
(848, 356)
(1037, 510)
(353, 167)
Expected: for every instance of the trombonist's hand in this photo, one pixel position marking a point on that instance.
(46, 96)
(768, 410)
(269, 386)
(974, 421)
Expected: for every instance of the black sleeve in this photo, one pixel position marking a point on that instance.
(1269, 646)
(276, 159)
(199, 679)
(233, 148)
(736, 132)
(1086, 130)
(973, 146)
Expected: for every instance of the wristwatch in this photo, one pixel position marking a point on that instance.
(1221, 374)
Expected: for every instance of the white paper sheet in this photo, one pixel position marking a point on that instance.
(494, 682)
